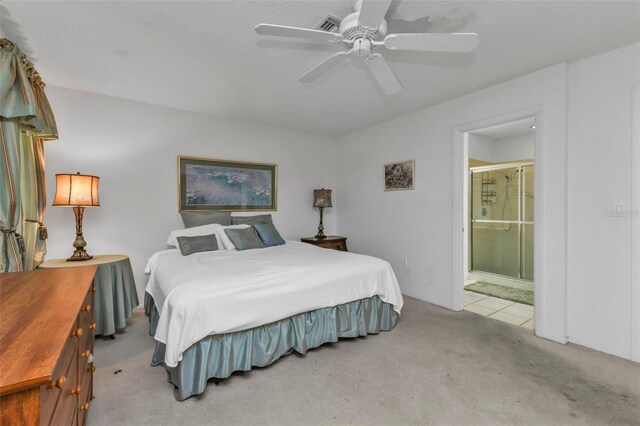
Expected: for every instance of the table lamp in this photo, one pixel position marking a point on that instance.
(77, 191)
(321, 199)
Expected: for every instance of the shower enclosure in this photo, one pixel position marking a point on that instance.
(501, 220)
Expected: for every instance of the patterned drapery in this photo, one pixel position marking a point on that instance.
(33, 196)
(26, 121)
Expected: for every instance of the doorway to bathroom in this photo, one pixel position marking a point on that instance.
(501, 169)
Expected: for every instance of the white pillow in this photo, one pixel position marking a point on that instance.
(222, 236)
(209, 229)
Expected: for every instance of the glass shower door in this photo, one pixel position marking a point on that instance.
(502, 220)
(527, 223)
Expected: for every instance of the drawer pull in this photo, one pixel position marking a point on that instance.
(93, 289)
(92, 368)
(85, 406)
(86, 353)
(77, 390)
(59, 383)
(92, 326)
(87, 308)
(77, 333)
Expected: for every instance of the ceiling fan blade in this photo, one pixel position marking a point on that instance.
(383, 74)
(433, 42)
(283, 31)
(372, 13)
(323, 67)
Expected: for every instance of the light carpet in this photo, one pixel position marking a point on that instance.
(436, 367)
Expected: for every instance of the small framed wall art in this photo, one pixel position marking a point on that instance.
(210, 184)
(399, 176)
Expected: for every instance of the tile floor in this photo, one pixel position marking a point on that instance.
(500, 309)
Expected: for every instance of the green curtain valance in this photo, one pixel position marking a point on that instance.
(22, 93)
(26, 120)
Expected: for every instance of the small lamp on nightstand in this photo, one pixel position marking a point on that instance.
(321, 199)
(77, 191)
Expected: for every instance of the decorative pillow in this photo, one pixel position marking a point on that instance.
(251, 220)
(268, 234)
(245, 238)
(224, 239)
(192, 232)
(192, 219)
(197, 244)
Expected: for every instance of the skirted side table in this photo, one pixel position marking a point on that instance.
(116, 294)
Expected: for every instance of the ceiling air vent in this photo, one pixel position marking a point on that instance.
(330, 24)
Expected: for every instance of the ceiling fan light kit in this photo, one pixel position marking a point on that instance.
(364, 31)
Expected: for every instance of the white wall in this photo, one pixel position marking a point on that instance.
(504, 150)
(417, 224)
(133, 147)
(600, 141)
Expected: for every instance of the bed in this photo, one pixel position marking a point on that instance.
(217, 312)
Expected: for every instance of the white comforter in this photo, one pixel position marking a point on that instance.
(221, 292)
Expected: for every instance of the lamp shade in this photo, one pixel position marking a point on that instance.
(322, 198)
(76, 190)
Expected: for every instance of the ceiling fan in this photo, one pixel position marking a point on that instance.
(364, 32)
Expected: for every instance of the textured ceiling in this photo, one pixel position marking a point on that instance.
(205, 56)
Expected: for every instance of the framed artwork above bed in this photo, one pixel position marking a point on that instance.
(210, 184)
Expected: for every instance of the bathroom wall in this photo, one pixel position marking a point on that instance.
(515, 148)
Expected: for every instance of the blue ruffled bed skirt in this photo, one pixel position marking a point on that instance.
(218, 356)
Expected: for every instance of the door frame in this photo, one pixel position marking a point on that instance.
(461, 208)
(635, 226)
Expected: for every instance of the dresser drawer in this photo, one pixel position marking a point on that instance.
(333, 242)
(86, 340)
(60, 378)
(89, 368)
(83, 361)
(48, 399)
(85, 397)
(68, 400)
(58, 405)
(334, 245)
(49, 396)
(85, 317)
(87, 386)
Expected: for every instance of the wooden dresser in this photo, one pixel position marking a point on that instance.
(46, 346)
(334, 242)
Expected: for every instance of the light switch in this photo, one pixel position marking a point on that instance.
(619, 209)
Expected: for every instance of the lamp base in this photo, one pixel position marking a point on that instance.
(320, 233)
(79, 254)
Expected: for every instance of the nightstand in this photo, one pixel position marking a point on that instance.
(116, 294)
(334, 242)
